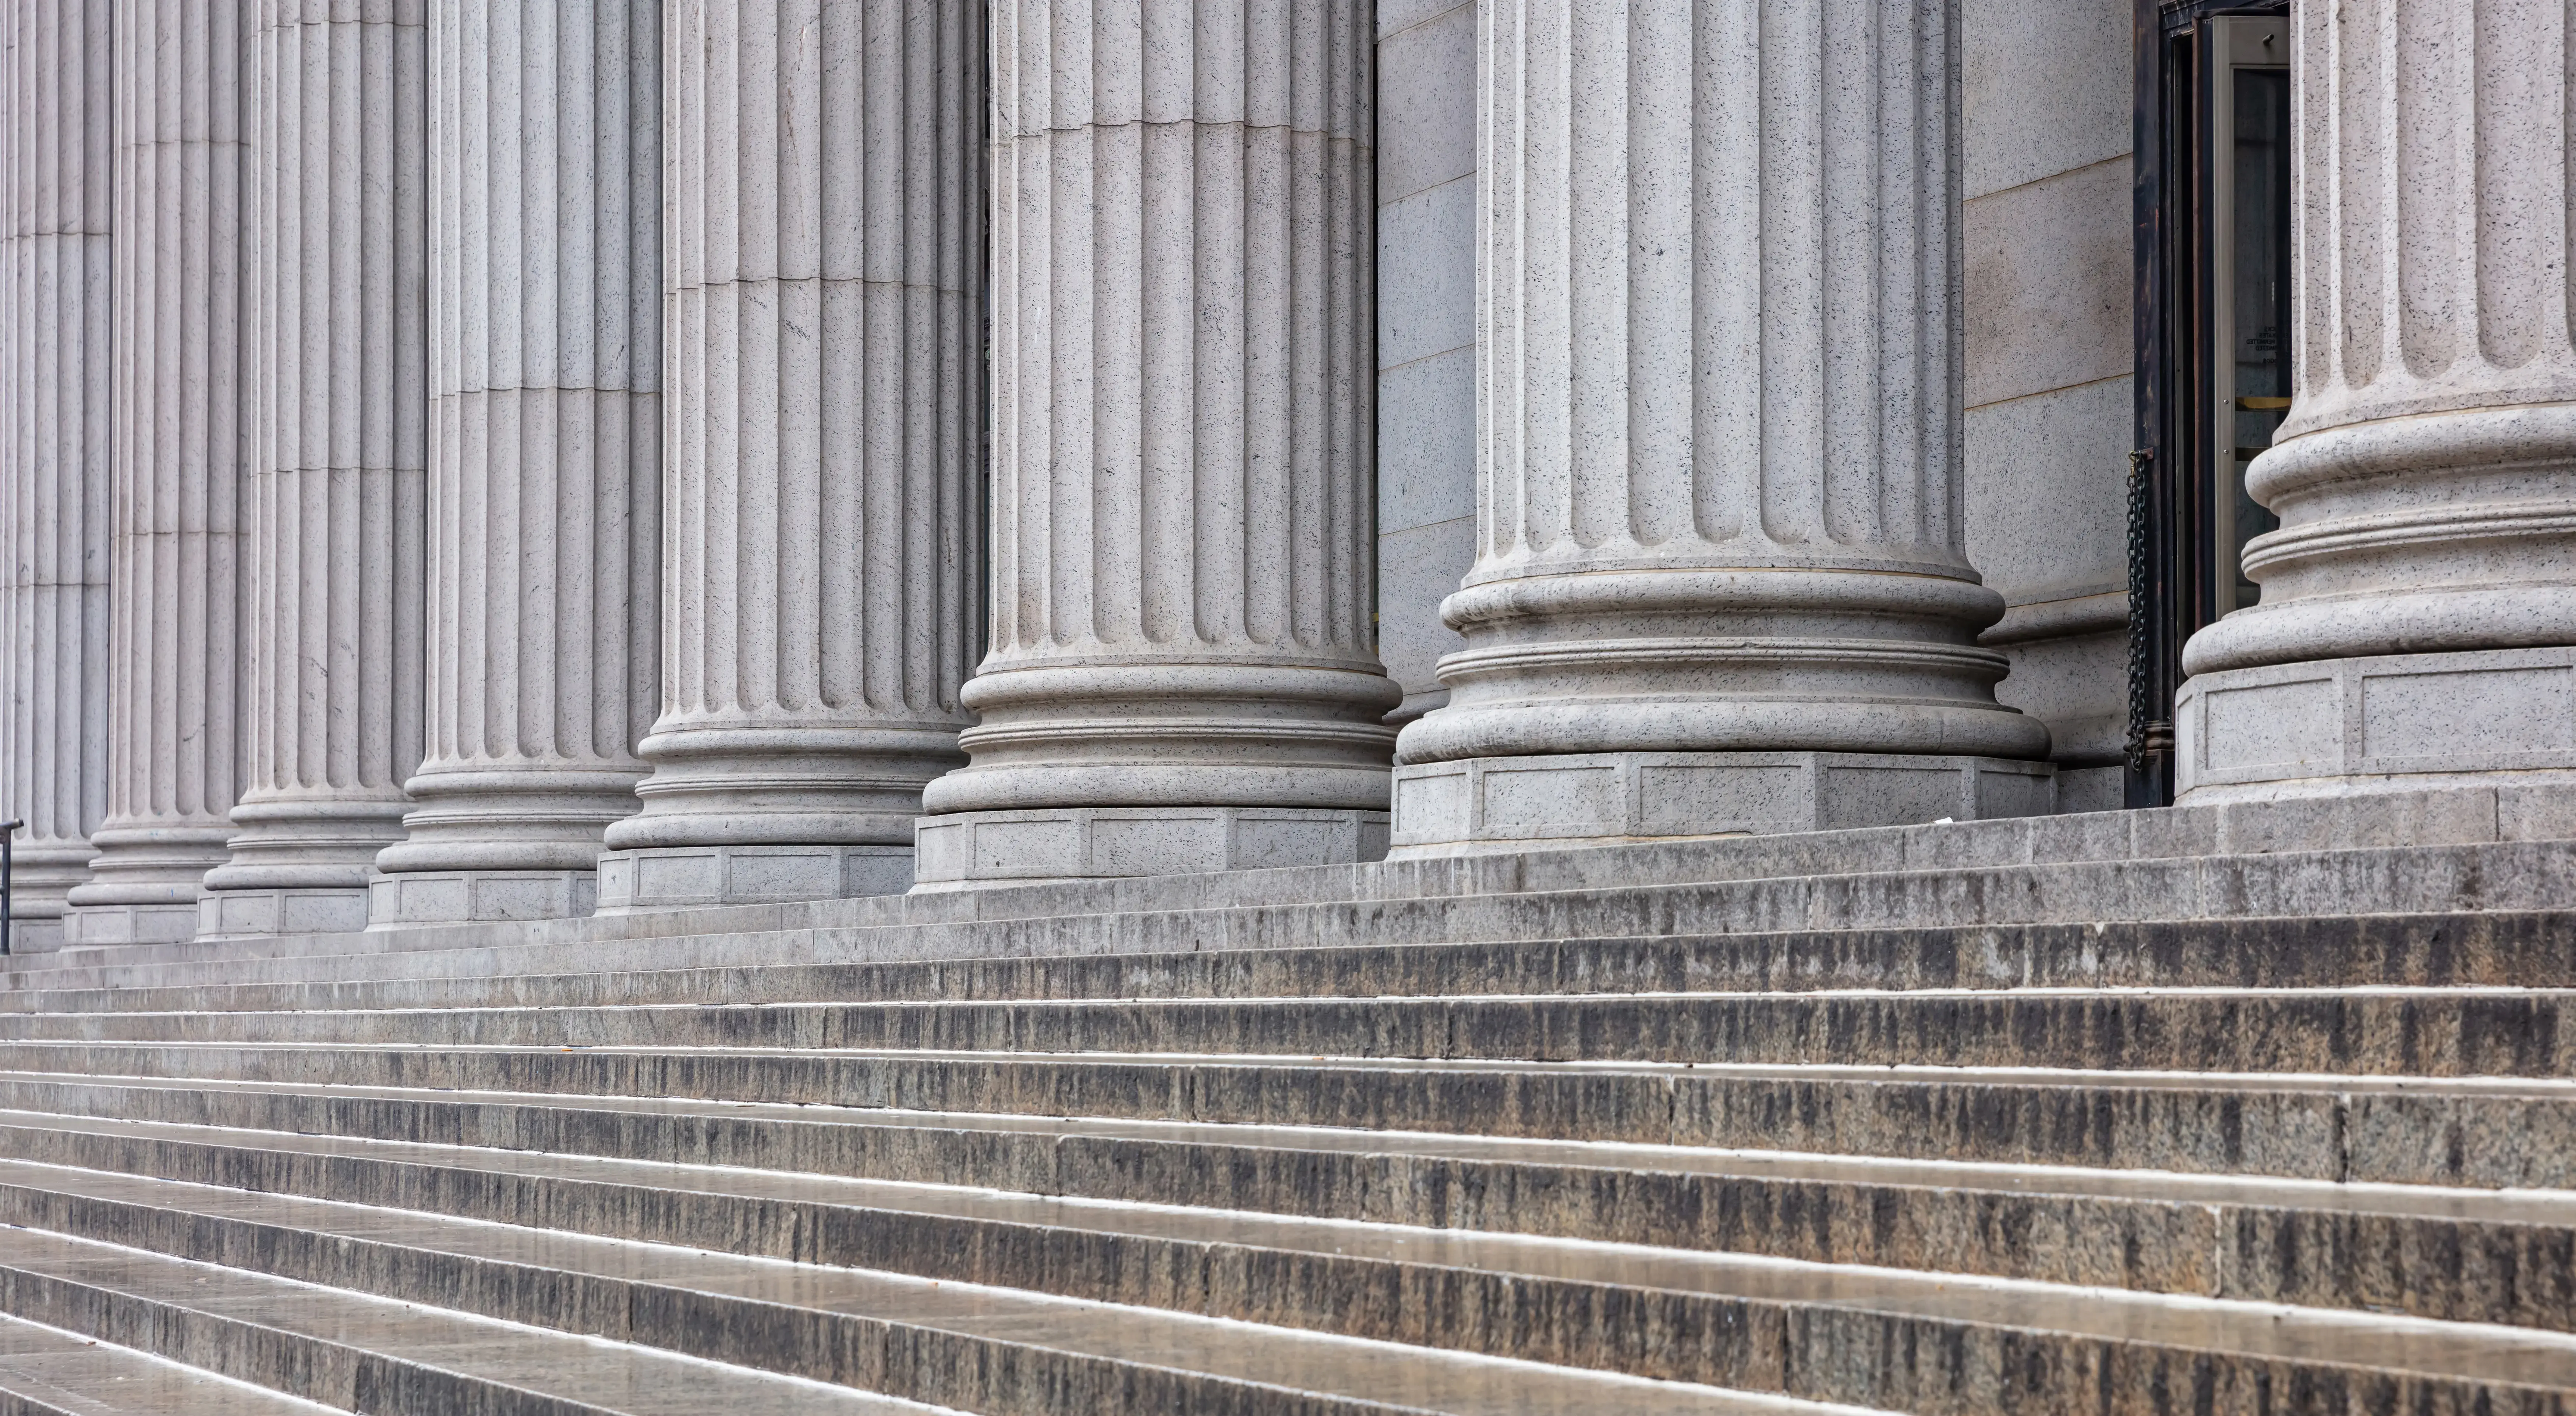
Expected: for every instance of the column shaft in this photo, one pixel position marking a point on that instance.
(545, 454)
(55, 444)
(2418, 611)
(1183, 673)
(172, 717)
(822, 537)
(1719, 501)
(334, 581)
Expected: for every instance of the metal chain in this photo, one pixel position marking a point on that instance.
(2141, 689)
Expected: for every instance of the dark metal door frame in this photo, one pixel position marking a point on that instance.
(2171, 579)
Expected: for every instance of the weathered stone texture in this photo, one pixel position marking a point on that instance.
(2426, 475)
(823, 529)
(56, 196)
(1183, 411)
(174, 721)
(545, 446)
(333, 596)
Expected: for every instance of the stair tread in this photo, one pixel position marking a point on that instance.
(2466, 1350)
(80, 1376)
(2124, 885)
(2503, 943)
(2550, 1089)
(1380, 1373)
(2540, 1207)
(608, 1375)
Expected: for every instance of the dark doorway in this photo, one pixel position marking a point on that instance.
(2213, 321)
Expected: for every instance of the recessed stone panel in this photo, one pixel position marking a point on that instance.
(2297, 723)
(2468, 712)
(1537, 797)
(1159, 845)
(1683, 798)
(2501, 717)
(1878, 795)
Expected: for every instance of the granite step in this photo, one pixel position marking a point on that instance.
(1784, 1328)
(2421, 822)
(2474, 1256)
(49, 1372)
(2503, 949)
(2476, 1133)
(2498, 877)
(964, 1345)
(2387, 1031)
(352, 1352)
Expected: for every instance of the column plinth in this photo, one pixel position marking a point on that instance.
(545, 456)
(56, 110)
(822, 544)
(333, 583)
(175, 765)
(2417, 621)
(1182, 675)
(1721, 583)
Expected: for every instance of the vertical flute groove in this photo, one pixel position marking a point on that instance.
(2425, 475)
(1719, 472)
(55, 442)
(545, 443)
(1183, 356)
(335, 562)
(822, 527)
(173, 715)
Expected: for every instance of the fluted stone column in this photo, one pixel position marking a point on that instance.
(1720, 583)
(2418, 616)
(173, 716)
(545, 454)
(333, 596)
(822, 539)
(1182, 674)
(55, 278)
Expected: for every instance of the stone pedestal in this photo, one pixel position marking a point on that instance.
(545, 455)
(1182, 470)
(1567, 799)
(55, 440)
(333, 582)
(681, 877)
(2419, 598)
(173, 719)
(823, 550)
(1720, 506)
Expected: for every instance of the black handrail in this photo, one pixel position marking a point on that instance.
(8, 901)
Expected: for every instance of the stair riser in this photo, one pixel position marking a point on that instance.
(333, 1375)
(998, 1379)
(2147, 1247)
(2368, 1034)
(2522, 951)
(2411, 1137)
(2468, 824)
(1923, 1366)
(2513, 877)
(2522, 1275)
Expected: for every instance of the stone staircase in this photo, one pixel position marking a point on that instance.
(2264, 1109)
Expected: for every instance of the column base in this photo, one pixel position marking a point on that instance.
(1612, 798)
(146, 922)
(256, 913)
(975, 848)
(696, 877)
(418, 898)
(2400, 722)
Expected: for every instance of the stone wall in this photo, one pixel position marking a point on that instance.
(2050, 348)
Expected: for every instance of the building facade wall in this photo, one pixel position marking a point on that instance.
(2049, 339)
